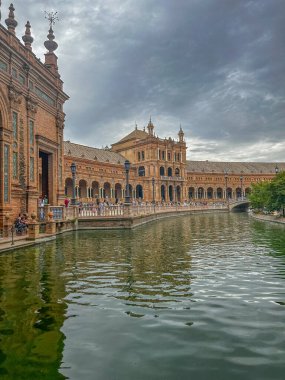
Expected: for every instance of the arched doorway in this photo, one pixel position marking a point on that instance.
(191, 193)
(229, 193)
(68, 188)
(82, 189)
(118, 191)
(95, 190)
(210, 193)
(170, 192)
(219, 193)
(238, 192)
(139, 192)
(162, 193)
(169, 172)
(107, 190)
(200, 193)
(161, 171)
(178, 194)
(247, 191)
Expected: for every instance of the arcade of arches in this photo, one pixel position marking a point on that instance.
(156, 174)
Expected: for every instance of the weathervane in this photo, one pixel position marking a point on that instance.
(52, 17)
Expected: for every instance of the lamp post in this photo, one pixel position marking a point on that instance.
(152, 182)
(73, 172)
(127, 195)
(241, 189)
(226, 183)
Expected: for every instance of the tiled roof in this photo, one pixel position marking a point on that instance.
(234, 167)
(137, 134)
(93, 154)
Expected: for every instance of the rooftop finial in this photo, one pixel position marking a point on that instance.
(52, 17)
(10, 21)
(27, 38)
(50, 44)
(181, 134)
(150, 127)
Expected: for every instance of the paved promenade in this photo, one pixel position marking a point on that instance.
(268, 218)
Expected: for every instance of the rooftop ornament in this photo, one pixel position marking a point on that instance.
(10, 21)
(50, 44)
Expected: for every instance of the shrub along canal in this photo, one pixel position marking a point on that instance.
(198, 296)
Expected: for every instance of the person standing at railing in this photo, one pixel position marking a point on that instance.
(66, 202)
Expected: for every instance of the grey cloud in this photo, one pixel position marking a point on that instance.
(215, 66)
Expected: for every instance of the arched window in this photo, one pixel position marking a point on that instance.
(200, 193)
(177, 172)
(139, 192)
(162, 193)
(142, 155)
(169, 172)
(209, 193)
(191, 192)
(141, 171)
(219, 193)
(139, 156)
(161, 170)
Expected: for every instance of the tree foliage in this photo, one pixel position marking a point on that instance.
(269, 194)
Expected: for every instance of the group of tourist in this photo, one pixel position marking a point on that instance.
(21, 224)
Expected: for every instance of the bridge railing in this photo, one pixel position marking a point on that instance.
(87, 211)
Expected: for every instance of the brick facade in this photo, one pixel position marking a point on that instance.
(31, 124)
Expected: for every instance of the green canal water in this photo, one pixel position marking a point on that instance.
(195, 297)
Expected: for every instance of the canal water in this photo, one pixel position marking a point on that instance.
(194, 297)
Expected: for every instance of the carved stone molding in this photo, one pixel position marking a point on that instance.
(14, 94)
(31, 104)
(60, 118)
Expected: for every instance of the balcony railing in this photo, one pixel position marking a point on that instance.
(173, 178)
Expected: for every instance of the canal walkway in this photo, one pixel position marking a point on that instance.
(49, 225)
(268, 218)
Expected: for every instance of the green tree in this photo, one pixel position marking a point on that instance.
(269, 195)
(277, 193)
(260, 195)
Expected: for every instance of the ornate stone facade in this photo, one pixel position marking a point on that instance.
(31, 124)
(159, 171)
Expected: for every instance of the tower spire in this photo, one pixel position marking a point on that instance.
(27, 38)
(181, 134)
(50, 44)
(150, 127)
(10, 21)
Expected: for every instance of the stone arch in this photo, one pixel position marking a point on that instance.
(139, 192)
(170, 193)
(95, 189)
(247, 191)
(82, 188)
(118, 191)
(107, 190)
(219, 193)
(162, 193)
(201, 193)
(191, 193)
(169, 172)
(68, 188)
(178, 193)
(141, 171)
(177, 172)
(229, 193)
(238, 192)
(210, 193)
(161, 171)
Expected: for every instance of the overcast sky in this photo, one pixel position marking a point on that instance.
(217, 67)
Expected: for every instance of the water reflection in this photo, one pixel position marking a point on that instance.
(32, 313)
(198, 296)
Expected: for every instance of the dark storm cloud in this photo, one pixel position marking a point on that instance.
(215, 66)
